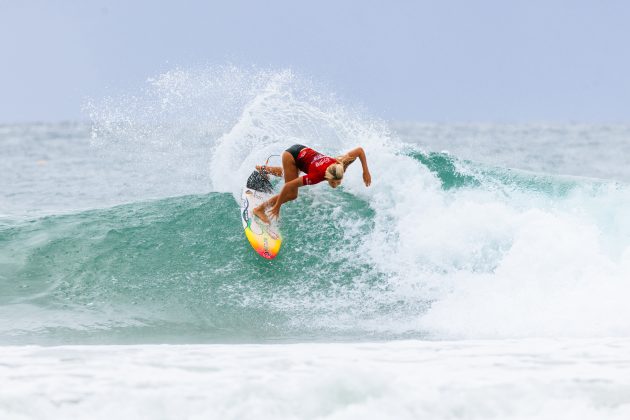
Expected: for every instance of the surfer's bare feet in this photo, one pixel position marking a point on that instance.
(260, 213)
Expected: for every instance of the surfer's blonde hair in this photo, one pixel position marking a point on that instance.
(335, 171)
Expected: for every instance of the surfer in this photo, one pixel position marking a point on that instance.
(318, 167)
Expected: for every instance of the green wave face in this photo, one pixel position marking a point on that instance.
(182, 267)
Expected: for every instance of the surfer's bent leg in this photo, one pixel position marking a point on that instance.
(289, 165)
(288, 193)
(291, 172)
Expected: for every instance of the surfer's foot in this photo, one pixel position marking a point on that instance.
(260, 213)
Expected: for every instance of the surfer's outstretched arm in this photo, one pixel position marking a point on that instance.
(273, 170)
(360, 153)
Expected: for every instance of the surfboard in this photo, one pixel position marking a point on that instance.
(265, 239)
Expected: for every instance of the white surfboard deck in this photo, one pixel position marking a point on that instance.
(266, 239)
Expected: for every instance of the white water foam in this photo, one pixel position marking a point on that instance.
(507, 379)
(496, 263)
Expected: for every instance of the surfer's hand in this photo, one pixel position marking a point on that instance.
(367, 178)
(274, 213)
(273, 170)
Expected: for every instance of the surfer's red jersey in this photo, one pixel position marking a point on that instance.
(314, 164)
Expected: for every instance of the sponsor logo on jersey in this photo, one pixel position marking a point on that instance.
(320, 160)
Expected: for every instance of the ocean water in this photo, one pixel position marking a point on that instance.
(484, 274)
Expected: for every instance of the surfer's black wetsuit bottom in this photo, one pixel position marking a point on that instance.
(295, 150)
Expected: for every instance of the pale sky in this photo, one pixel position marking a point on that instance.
(442, 60)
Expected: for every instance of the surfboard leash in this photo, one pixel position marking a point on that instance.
(263, 168)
